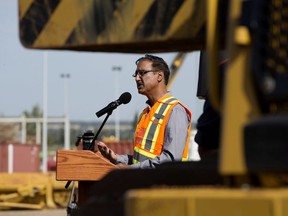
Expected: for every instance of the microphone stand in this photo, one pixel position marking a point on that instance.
(91, 146)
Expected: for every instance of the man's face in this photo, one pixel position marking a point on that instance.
(148, 81)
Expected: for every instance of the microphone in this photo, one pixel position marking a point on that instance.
(123, 99)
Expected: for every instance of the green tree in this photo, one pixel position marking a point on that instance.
(36, 112)
(31, 127)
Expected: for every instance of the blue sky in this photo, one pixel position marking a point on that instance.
(92, 83)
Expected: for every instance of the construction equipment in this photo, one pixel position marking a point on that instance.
(252, 166)
(175, 66)
(31, 191)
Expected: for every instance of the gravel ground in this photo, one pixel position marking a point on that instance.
(52, 212)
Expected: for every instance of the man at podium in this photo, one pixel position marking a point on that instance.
(163, 130)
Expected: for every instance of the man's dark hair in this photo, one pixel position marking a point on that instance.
(158, 64)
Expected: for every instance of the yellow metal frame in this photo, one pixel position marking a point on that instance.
(32, 191)
(207, 202)
(239, 100)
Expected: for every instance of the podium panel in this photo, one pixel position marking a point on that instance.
(81, 165)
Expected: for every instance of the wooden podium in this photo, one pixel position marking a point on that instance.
(83, 166)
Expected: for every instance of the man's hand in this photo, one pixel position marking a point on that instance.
(106, 152)
(123, 165)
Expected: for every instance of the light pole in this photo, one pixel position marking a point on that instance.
(117, 69)
(65, 78)
(45, 111)
(66, 111)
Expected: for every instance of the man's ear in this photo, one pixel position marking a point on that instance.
(160, 76)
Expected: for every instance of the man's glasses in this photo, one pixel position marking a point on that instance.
(142, 72)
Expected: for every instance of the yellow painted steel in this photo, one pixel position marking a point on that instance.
(122, 26)
(207, 202)
(127, 19)
(32, 191)
(197, 8)
(175, 66)
(77, 24)
(239, 100)
(212, 44)
(242, 36)
(62, 22)
(23, 7)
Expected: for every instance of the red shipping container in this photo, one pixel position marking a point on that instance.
(16, 157)
(122, 147)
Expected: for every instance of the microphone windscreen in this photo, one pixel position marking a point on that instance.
(125, 98)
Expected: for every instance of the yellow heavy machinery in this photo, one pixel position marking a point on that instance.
(32, 191)
(250, 176)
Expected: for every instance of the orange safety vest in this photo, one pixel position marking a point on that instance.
(149, 135)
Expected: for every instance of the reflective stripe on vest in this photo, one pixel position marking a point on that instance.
(148, 147)
(152, 129)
